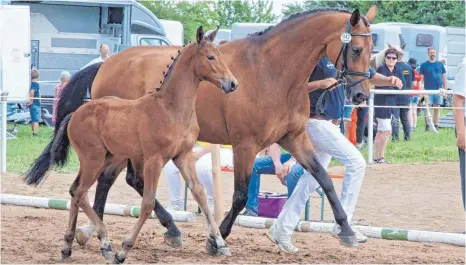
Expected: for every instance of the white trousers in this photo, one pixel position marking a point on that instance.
(328, 142)
(173, 179)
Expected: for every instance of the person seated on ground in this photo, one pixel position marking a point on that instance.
(283, 165)
(64, 78)
(204, 173)
(34, 101)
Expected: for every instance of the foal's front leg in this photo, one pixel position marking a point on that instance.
(152, 168)
(215, 244)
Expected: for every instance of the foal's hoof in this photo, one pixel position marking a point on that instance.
(118, 260)
(214, 250)
(65, 253)
(173, 241)
(349, 241)
(107, 253)
(82, 236)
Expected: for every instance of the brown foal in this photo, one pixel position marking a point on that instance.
(150, 131)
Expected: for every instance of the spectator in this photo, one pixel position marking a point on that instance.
(103, 55)
(284, 166)
(384, 115)
(403, 102)
(64, 78)
(361, 124)
(414, 100)
(347, 111)
(434, 77)
(34, 101)
(204, 173)
(459, 115)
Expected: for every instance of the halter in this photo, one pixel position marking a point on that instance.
(341, 75)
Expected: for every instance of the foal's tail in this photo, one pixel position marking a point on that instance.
(56, 153)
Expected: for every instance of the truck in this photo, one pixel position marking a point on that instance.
(174, 31)
(67, 34)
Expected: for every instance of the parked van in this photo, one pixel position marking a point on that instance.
(241, 30)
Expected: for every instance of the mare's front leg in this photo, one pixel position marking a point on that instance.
(243, 160)
(186, 164)
(301, 149)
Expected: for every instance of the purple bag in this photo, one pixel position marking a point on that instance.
(271, 204)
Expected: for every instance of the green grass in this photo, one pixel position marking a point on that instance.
(423, 147)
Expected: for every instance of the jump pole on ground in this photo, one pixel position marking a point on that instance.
(110, 208)
(373, 232)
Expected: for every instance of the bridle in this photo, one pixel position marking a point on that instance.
(346, 38)
(344, 71)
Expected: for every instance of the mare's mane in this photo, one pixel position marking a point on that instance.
(303, 14)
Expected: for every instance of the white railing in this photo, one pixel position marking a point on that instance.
(370, 128)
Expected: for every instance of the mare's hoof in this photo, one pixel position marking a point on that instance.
(118, 260)
(214, 250)
(173, 241)
(65, 253)
(349, 241)
(82, 236)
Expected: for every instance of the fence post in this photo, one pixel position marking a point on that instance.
(370, 129)
(3, 100)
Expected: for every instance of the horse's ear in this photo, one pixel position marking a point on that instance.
(212, 35)
(355, 17)
(389, 45)
(200, 34)
(403, 46)
(371, 13)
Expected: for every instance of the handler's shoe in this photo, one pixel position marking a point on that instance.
(359, 236)
(283, 242)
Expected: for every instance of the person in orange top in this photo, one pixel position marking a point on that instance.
(414, 101)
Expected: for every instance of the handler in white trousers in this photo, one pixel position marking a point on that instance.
(328, 141)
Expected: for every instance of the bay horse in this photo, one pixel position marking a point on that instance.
(150, 131)
(274, 66)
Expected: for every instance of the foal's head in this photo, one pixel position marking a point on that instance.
(209, 64)
(357, 55)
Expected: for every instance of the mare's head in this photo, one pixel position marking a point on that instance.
(209, 63)
(350, 49)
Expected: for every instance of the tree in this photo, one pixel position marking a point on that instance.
(442, 13)
(190, 14)
(231, 11)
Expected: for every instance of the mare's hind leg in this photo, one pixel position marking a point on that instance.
(91, 167)
(215, 243)
(152, 169)
(135, 179)
(74, 209)
(243, 159)
(105, 182)
(300, 148)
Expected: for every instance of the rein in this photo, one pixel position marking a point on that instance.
(341, 75)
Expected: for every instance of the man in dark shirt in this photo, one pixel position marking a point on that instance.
(328, 141)
(434, 77)
(403, 101)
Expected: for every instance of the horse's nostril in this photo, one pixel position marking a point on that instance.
(233, 84)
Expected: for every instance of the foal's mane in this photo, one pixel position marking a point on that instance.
(170, 67)
(299, 15)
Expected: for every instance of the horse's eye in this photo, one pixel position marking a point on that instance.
(357, 51)
(210, 58)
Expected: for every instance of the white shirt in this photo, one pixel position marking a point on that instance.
(96, 60)
(459, 87)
